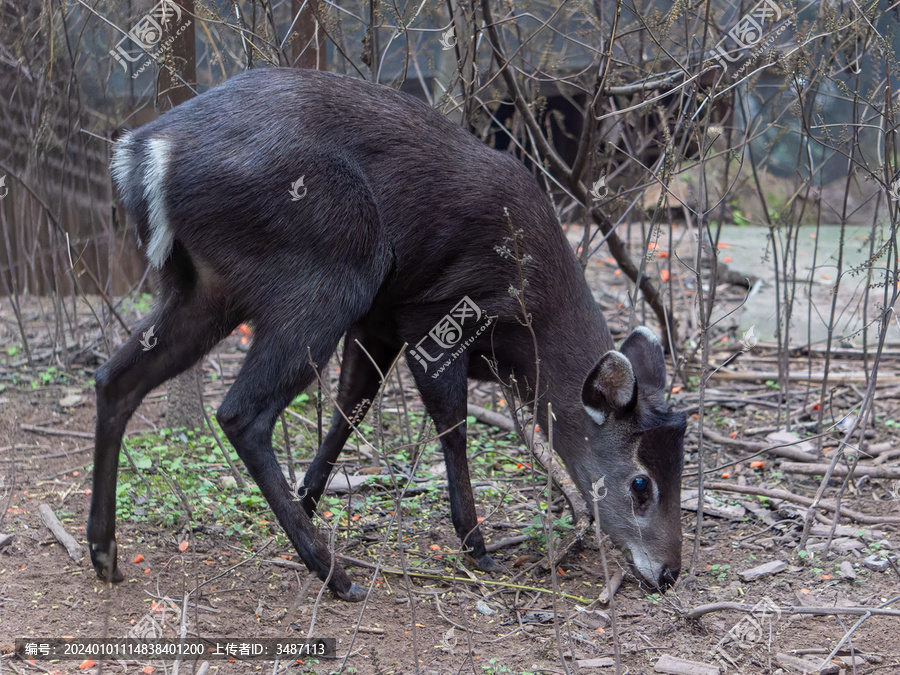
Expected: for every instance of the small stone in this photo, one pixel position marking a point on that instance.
(847, 571)
(792, 439)
(755, 573)
(484, 608)
(70, 401)
(876, 563)
(675, 666)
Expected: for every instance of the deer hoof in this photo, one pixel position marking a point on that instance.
(352, 594)
(104, 563)
(486, 564)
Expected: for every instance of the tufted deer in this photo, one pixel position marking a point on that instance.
(389, 239)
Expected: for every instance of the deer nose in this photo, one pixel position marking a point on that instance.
(667, 577)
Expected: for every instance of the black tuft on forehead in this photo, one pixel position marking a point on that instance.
(661, 449)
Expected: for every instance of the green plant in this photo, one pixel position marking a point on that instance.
(494, 667)
(720, 572)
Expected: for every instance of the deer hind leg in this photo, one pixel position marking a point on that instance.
(364, 357)
(185, 326)
(276, 369)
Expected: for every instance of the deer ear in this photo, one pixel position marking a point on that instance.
(646, 355)
(610, 387)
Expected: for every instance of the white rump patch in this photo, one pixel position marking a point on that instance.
(160, 244)
(122, 159)
(595, 415)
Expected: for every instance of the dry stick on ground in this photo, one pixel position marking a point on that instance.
(885, 472)
(74, 549)
(697, 612)
(826, 505)
(56, 432)
(783, 450)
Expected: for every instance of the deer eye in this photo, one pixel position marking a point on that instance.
(640, 484)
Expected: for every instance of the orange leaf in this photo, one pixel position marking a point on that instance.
(651, 246)
(559, 571)
(663, 254)
(147, 571)
(327, 514)
(676, 389)
(434, 547)
(244, 329)
(723, 246)
(87, 663)
(826, 576)
(480, 520)
(147, 670)
(356, 517)
(726, 475)
(138, 558)
(183, 545)
(727, 258)
(664, 275)
(757, 465)
(805, 591)
(733, 434)
(617, 273)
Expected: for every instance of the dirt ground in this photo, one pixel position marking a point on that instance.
(207, 557)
